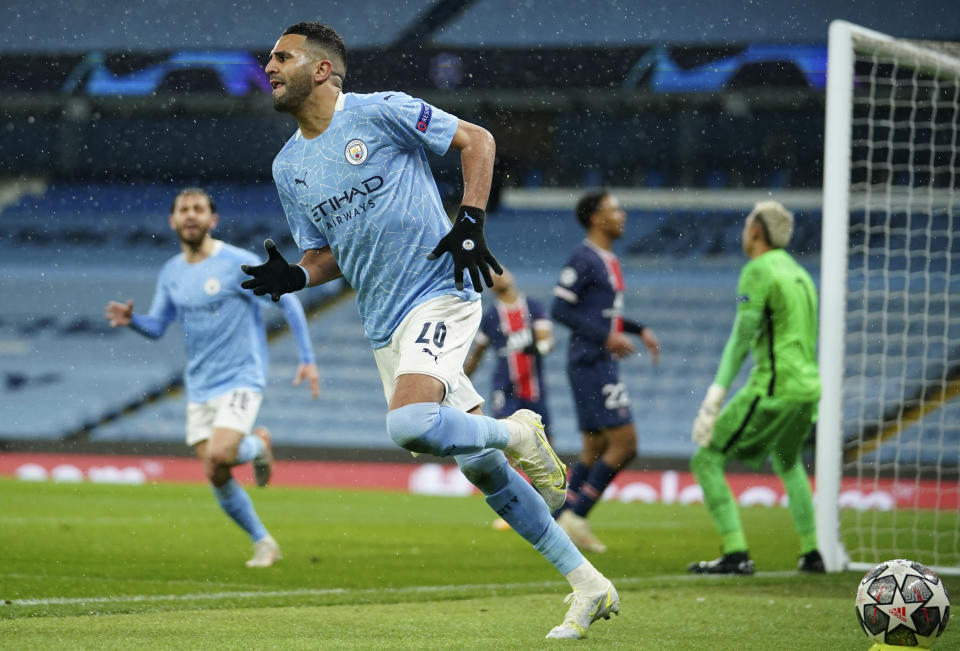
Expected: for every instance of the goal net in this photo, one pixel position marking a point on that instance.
(888, 438)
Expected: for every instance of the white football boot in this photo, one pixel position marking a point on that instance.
(266, 552)
(537, 459)
(585, 609)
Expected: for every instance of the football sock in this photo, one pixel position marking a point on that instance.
(250, 446)
(237, 504)
(586, 578)
(707, 466)
(578, 474)
(797, 485)
(596, 482)
(521, 506)
(427, 427)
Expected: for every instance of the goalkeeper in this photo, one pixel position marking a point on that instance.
(773, 414)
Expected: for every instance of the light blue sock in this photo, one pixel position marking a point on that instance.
(237, 504)
(426, 427)
(518, 503)
(250, 446)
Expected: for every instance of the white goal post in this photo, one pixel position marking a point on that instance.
(888, 436)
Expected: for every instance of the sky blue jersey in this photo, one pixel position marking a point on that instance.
(364, 188)
(223, 329)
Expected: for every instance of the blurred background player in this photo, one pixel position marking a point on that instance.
(521, 333)
(227, 357)
(362, 204)
(774, 412)
(588, 299)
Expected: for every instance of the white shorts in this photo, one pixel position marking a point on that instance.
(236, 410)
(434, 339)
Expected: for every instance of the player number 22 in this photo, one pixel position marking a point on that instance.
(439, 334)
(616, 396)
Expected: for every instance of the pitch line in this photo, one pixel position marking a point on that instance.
(323, 592)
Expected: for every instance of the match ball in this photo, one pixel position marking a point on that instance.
(902, 603)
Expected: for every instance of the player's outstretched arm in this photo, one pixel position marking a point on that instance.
(275, 276)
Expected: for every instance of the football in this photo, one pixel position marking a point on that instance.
(902, 603)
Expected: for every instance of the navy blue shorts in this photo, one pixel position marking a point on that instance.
(502, 405)
(600, 397)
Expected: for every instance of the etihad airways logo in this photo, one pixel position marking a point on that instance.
(348, 204)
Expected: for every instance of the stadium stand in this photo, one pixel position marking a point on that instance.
(69, 248)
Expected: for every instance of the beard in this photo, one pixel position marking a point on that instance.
(195, 239)
(296, 90)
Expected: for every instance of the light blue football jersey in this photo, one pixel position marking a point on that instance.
(364, 188)
(222, 326)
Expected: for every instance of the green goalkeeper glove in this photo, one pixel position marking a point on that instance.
(707, 415)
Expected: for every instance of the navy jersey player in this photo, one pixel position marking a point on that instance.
(588, 299)
(520, 332)
(361, 203)
(226, 350)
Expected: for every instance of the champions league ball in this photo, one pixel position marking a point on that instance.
(902, 603)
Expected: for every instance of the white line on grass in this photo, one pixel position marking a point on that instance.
(321, 592)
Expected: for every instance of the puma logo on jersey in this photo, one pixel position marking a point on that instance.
(302, 181)
(436, 358)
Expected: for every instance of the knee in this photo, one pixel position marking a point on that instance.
(408, 426)
(705, 460)
(781, 468)
(220, 456)
(217, 474)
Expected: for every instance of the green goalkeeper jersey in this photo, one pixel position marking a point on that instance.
(777, 317)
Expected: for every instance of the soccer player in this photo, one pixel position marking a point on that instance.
(774, 412)
(361, 203)
(226, 357)
(521, 333)
(588, 299)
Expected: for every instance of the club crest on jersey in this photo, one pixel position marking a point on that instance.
(356, 151)
(568, 276)
(211, 286)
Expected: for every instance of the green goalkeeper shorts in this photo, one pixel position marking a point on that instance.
(750, 427)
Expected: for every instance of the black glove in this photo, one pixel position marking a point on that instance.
(275, 276)
(465, 243)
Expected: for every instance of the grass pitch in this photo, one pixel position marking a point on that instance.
(85, 566)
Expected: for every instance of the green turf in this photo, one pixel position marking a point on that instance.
(96, 566)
